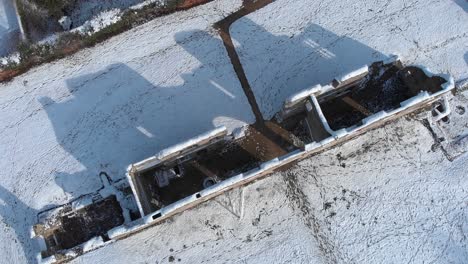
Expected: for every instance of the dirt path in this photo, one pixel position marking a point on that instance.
(266, 139)
(249, 6)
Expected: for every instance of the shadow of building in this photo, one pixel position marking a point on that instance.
(119, 115)
(277, 66)
(116, 116)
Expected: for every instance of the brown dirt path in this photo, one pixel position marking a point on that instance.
(249, 6)
(265, 139)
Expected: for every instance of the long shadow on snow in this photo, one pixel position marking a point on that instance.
(117, 117)
(463, 4)
(280, 65)
(83, 11)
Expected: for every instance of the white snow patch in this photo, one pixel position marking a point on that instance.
(93, 243)
(190, 142)
(361, 71)
(303, 94)
(82, 203)
(222, 89)
(145, 132)
(99, 22)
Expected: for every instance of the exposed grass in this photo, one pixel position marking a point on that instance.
(37, 21)
(32, 55)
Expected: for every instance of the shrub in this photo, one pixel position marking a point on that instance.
(55, 8)
(69, 43)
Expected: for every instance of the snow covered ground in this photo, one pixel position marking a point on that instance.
(86, 10)
(291, 45)
(107, 107)
(170, 79)
(9, 26)
(385, 197)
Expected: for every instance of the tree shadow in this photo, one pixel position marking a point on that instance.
(280, 65)
(463, 4)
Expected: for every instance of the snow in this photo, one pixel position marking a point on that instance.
(239, 132)
(191, 142)
(99, 21)
(147, 2)
(64, 122)
(291, 45)
(321, 116)
(444, 113)
(93, 243)
(163, 154)
(269, 165)
(356, 73)
(48, 260)
(374, 118)
(302, 95)
(86, 11)
(132, 186)
(65, 22)
(423, 95)
(82, 202)
(394, 201)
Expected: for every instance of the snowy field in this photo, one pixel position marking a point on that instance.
(9, 27)
(107, 107)
(382, 198)
(291, 45)
(388, 196)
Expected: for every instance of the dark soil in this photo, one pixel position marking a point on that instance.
(377, 92)
(77, 227)
(222, 161)
(264, 140)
